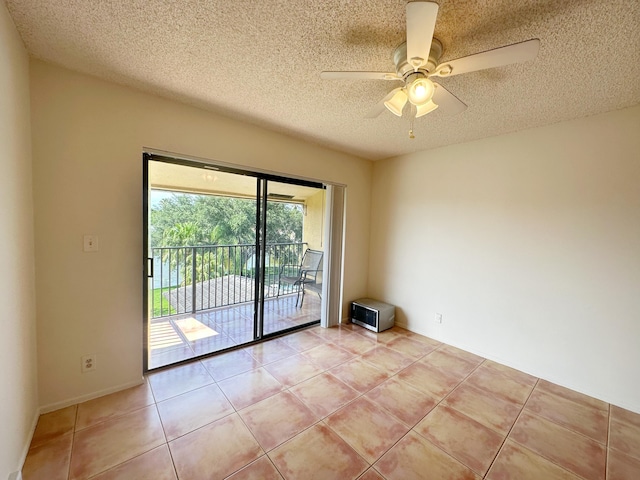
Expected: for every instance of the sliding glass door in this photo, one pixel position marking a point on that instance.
(223, 257)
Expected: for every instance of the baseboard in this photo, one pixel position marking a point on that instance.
(25, 449)
(89, 396)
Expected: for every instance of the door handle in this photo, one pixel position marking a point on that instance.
(150, 267)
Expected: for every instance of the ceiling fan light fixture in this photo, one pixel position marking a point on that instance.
(420, 91)
(396, 103)
(426, 108)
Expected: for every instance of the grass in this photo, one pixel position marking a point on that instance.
(160, 304)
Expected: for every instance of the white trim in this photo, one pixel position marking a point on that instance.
(331, 310)
(89, 396)
(248, 168)
(17, 475)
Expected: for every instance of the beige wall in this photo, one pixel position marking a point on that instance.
(313, 224)
(88, 137)
(529, 246)
(18, 386)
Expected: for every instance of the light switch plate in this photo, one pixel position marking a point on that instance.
(90, 243)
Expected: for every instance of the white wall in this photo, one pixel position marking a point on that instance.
(88, 137)
(528, 244)
(18, 386)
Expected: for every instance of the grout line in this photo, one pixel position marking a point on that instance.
(608, 450)
(511, 429)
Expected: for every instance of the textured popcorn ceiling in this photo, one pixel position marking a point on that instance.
(259, 61)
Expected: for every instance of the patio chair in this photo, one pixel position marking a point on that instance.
(307, 272)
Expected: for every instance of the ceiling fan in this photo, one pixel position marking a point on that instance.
(417, 61)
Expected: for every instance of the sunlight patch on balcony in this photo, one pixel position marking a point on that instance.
(194, 330)
(162, 335)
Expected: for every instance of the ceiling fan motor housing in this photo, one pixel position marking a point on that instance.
(404, 68)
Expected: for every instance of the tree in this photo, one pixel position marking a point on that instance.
(190, 220)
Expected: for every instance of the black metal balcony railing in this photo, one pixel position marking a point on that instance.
(190, 279)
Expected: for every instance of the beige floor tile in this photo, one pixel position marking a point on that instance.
(359, 375)
(261, 469)
(387, 359)
(184, 413)
(463, 438)
(271, 351)
(166, 356)
(429, 379)
(107, 444)
(625, 437)
(494, 381)
(572, 451)
(212, 344)
(572, 395)
(153, 465)
(250, 387)
(50, 460)
(421, 338)
(317, 454)
(324, 394)
(54, 424)
(410, 347)
(402, 400)
(277, 419)
(414, 458)
(113, 405)
(331, 333)
(176, 380)
(328, 355)
(512, 373)
(622, 467)
(371, 474)
(388, 335)
(518, 463)
(456, 365)
(578, 417)
(301, 341)
(293, 370)
(489, 410)
(370, 430)
(626, 416)
(215, 451)
(229, 364)
(356, 344)
(278, 325)
(467, 356)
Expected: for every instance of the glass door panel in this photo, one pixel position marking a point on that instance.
(222, 248)
(293, 280)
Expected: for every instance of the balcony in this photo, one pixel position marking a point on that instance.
(202, 299)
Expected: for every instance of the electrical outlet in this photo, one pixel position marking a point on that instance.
(438, 318)
(88, 363)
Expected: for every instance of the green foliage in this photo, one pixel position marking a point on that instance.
(161, 305)
(193, 220)
(197, 220)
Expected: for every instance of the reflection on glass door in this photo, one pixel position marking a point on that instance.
(231, 258)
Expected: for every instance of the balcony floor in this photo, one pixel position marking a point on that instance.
(180, 337)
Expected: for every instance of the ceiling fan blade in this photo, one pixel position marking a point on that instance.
(359, 76)
(379, 107)
(516, 53)
(447, 101)
(421, 22)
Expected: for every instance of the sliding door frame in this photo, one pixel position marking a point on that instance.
(262, 181)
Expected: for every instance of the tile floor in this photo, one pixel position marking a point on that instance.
(181, 337)
(341, 403)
